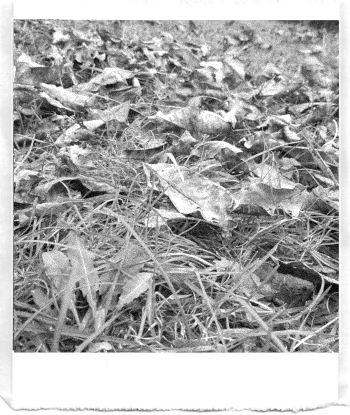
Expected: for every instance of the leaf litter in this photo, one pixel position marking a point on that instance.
(161, 185)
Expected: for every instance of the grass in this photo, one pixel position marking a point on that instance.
(195, 301)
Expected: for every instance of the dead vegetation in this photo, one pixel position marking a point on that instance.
(175, 186)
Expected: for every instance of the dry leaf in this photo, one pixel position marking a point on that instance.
(271, 176)
(159, 217)
(100, 347)
(134, 287)
(212, 149)
(66, 98)
(82, 267)
(119, 113)
(130, 260)
(132, 257)
(234, 71)
(41, 299)
(270, 199)
(78, 155)
(272, 87)
(192, 119)
(109, 76)
(67, 183)
(290, 135)
(190, 192)
(57, 269)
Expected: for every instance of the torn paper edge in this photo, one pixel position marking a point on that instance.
(65, 10)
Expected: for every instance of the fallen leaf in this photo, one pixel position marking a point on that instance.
(132, 256)
(57, 269)
(78, 155)
(82, 267)
(159, 217)
(190, 192)
(194, 120)
(100, 347)
(211, 149)
(134, 287)
(270, 199)
(109, 76)
(271, 176)
(119, 113)
(66, 98)
(41, 299)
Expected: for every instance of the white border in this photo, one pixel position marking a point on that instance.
(6, 189)
(164, 381)
(178, 9)
(175, 381)
(344, 357)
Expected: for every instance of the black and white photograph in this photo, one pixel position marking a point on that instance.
(176, 186)
(174, 205)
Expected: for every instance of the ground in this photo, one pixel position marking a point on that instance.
(176, 186)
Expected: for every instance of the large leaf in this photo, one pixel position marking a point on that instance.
(191, 192)
(82, 267)
(194, 120)
(270, 199)
(271, 176)
(109, 76)
(58, 96)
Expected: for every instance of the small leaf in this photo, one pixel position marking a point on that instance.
(130, 259)
(290, 135)
(132, 256)
(159, 217)
(100, 347)
(119, 113)
(57, 269)
(134, 287)
(211, 149)
(40, 298)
